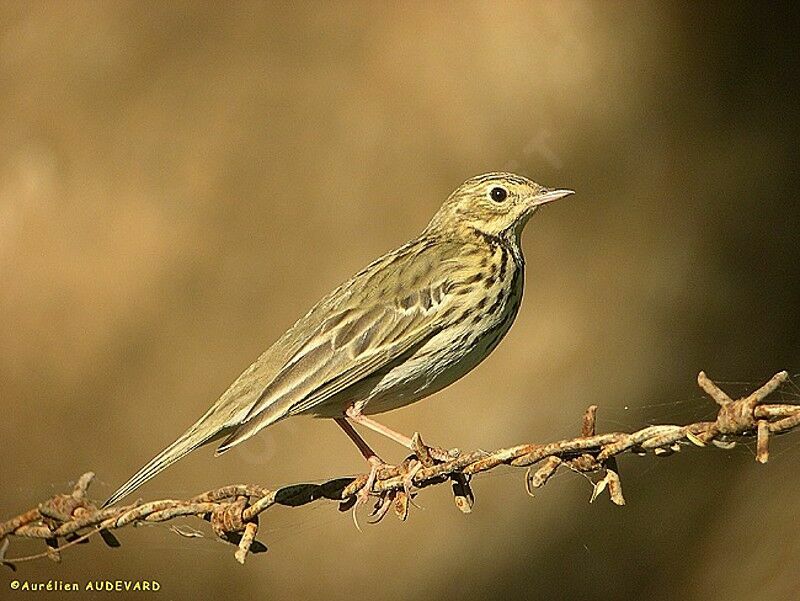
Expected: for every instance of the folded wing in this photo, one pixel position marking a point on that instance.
(347, 346)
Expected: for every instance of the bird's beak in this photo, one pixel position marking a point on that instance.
(549, 196)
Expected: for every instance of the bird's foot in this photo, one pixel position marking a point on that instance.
(376, 464)
(410, 470)
(398, 499)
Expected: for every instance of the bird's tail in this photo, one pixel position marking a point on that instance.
(196, 436)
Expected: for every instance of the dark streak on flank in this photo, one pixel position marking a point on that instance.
(496, 304)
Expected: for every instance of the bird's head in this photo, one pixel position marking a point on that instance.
(497, 204)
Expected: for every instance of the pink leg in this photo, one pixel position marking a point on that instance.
(375, 462)
(363, 447)
(379, 428)
(359, 418)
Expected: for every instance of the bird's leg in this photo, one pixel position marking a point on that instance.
(435, 452)
(375, 462)
(385, 499)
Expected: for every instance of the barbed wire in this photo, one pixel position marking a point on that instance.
(234, 510)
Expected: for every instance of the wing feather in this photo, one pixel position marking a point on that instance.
(345, 348)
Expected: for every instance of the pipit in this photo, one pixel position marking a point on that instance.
(404, 327)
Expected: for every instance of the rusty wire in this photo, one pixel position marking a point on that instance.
(233, 511)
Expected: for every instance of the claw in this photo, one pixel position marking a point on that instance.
(381, 508)
(363, 495)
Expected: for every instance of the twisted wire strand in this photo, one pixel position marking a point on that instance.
(234, 510)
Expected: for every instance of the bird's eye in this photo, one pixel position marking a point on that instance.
(498, 194)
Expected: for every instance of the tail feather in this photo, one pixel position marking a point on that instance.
(193, 438)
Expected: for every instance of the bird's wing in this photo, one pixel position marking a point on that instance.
(351, 343)
(394, 304)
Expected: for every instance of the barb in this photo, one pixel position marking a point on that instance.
(234, 511)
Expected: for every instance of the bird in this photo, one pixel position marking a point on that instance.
(409, 324)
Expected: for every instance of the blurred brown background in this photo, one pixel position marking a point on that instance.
(179, 182)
